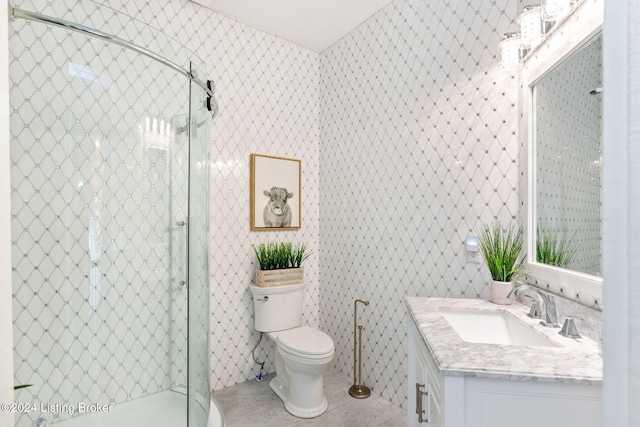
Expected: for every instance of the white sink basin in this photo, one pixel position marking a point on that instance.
(494, 327)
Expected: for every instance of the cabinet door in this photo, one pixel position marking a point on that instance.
(417, 390)
(430, 396)
(425, 404)
(417, 378)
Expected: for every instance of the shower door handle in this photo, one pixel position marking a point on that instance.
(180, 223)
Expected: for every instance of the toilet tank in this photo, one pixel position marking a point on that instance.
(277, 307)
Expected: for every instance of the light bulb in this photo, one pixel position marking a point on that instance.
(530, 27)
(509, 50)
(553, 10)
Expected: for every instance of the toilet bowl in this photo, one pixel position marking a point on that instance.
(303, 356)
(303, 353)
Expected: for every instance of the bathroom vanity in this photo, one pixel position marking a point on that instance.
(477, 364)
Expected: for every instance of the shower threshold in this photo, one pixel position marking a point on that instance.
(164, 409)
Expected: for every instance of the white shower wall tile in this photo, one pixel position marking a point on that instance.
(268, 90)
(81, 330)
(418, 147)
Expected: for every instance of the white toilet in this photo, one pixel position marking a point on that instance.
(303, 353)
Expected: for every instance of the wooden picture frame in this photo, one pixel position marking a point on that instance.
(276, 193)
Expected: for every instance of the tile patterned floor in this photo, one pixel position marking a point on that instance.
(254, 404)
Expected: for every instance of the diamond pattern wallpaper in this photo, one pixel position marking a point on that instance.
(406, 132)
(418, 147)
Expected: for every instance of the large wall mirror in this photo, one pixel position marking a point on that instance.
(567, 126)
(561, 106)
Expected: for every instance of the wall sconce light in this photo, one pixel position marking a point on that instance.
(534, 22)
(509, 50)
(530, 27)
(554, 10)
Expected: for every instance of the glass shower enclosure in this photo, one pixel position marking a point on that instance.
(109, 176)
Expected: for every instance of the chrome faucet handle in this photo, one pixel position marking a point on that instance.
(569, 328)
(534, 312)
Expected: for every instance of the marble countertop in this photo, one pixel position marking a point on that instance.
(575, 361)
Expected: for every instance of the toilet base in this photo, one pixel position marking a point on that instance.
(282, 390)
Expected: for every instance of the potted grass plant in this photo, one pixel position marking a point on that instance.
(502, 250)
(280, 263)
(556, 249)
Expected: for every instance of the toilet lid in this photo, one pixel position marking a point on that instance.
(306, 340)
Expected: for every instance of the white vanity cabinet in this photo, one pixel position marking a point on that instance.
(426, 385)
(466, 400)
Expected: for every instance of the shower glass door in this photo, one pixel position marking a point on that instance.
(179, 230)
(101, 240)
(198, 262)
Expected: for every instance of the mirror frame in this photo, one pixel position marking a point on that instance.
(565, 38)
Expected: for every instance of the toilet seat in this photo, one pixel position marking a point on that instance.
(305, 342)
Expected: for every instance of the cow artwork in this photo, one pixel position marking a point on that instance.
(279, 179)
(277, 213)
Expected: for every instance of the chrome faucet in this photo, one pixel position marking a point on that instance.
(40, 422)
(548, 312)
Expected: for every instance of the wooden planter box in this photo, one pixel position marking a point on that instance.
(286, 276)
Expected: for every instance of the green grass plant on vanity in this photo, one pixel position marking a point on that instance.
(502, 250)
(280, 263)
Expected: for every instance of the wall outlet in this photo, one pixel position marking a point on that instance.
(473, 257)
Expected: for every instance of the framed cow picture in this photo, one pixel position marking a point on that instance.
(276, 193)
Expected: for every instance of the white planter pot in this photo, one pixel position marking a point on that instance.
(499, 292)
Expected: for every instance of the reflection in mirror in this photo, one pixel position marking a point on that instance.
(568, 158)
